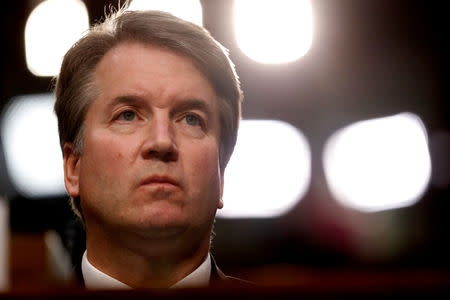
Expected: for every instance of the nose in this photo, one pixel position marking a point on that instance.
(160, 141)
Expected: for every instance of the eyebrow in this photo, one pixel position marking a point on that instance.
(126, 99)
(185, 105)
(192, 104)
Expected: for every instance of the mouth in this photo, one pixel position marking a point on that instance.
(159, 180)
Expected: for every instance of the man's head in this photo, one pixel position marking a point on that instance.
(78, 86)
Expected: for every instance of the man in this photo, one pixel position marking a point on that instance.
(148, 107)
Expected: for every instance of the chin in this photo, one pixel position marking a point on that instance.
(161, 216)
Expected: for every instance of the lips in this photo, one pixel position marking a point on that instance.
(159, 180)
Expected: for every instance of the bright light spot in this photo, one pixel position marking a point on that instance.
(51, 29)
(269, 171)
(31, 146)
(273, 31)
(379, 164)
(189, 10)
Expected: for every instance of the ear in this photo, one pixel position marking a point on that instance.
(220, 205)
(71, 170)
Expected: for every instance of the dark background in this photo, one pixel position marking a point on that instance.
(368, 59)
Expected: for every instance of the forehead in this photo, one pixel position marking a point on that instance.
(149, 70)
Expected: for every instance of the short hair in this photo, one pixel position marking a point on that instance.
(75, 85)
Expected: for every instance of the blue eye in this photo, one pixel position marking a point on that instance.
(192, 120)
(128, 115)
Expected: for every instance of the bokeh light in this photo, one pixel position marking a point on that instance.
(269, 172)
(51, 29)
(271, 31)
(378, 164)
(31, 146)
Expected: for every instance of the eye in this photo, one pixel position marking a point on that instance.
(193, 120)
(127, 115)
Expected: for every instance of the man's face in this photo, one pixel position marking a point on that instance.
(151, 145)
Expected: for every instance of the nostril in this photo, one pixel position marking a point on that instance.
(169, 156)
(165, 156)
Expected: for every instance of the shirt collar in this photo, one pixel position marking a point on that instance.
(96, 279)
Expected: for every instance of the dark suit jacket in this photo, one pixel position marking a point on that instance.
(218, 278)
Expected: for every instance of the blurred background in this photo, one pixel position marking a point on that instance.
(340, 177)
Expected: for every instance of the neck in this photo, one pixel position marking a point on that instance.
(143, 262)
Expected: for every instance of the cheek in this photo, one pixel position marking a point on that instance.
(105, 156)
(105, 145)
(202, 168)
(104, 170)
(205, 157)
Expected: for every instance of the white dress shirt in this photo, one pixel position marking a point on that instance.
(96, 279)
